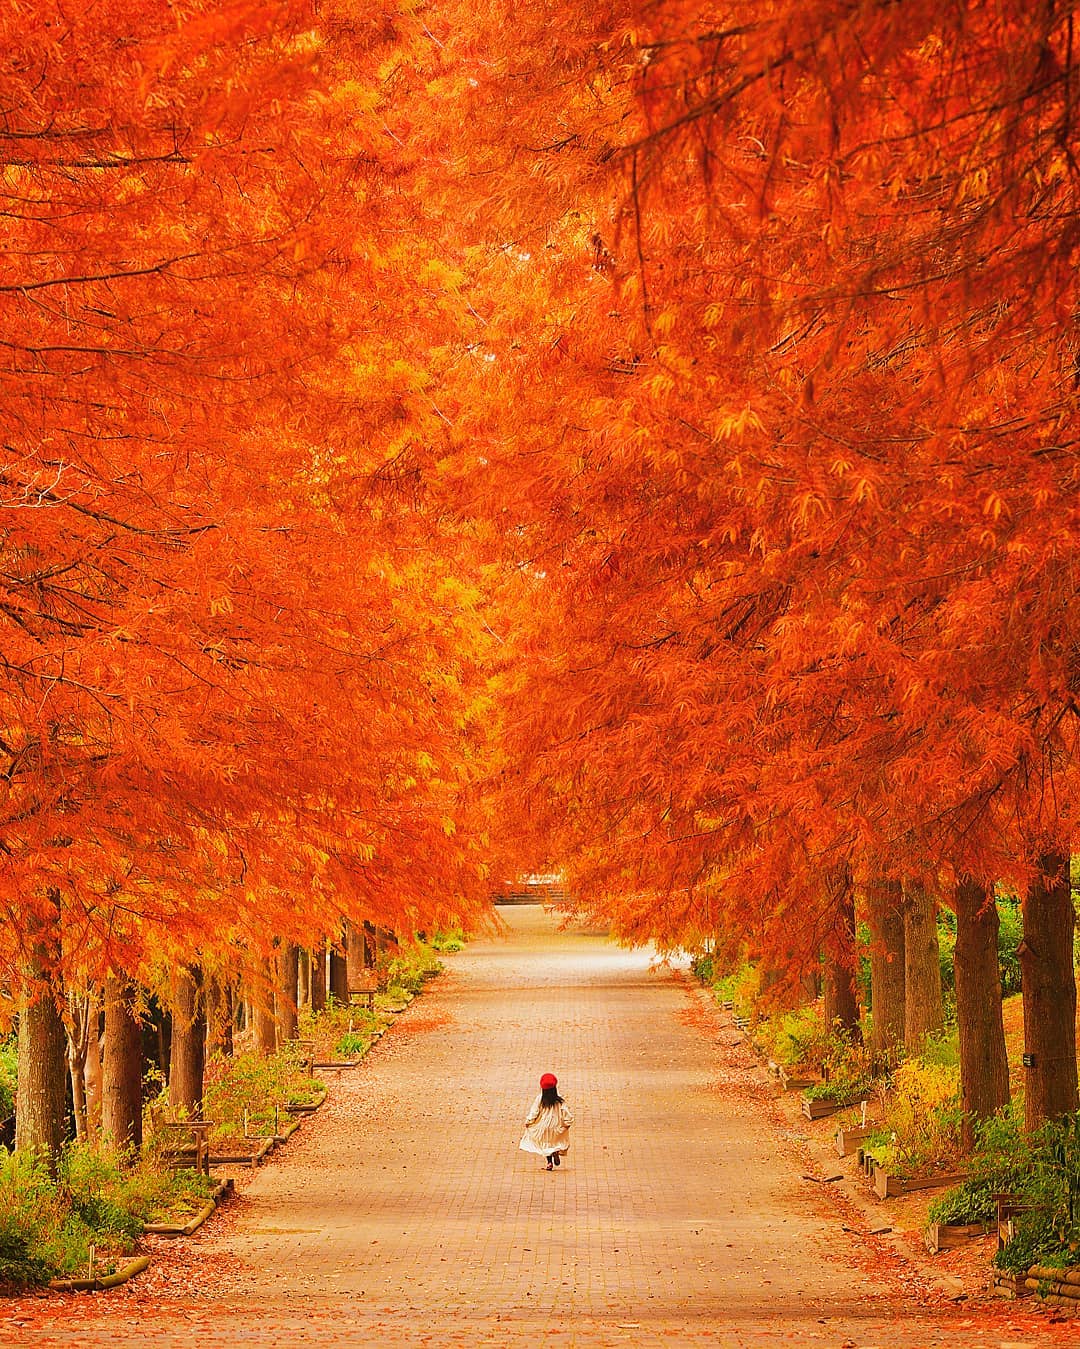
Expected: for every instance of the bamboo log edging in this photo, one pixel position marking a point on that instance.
(222, 1189)
(1059, 1291)
(121, 1276)
(308, 1109)
(1048, 1274)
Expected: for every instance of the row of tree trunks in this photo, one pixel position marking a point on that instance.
(107, 1091)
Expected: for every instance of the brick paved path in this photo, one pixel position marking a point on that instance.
(405, 1214)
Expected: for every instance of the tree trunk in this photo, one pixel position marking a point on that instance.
(92, 1071)
(984, 1067)
(304, 968)
(78, 1041)
(218, 998)
(187, 1056)
(318, 979)
(41, 1054)
(339, 976)
(263, 1010)
(121, 1114)
(923, 1014)
(841, 1000)
(885, 918)
(370, 945)
(285, 1000)
(355, 944)
(1049, 991)
(41, 1071)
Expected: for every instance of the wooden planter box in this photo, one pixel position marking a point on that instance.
(791, 1083)
(887, 1186)
(946, 1236)
(848, 1140)
(363, 986)
(820, 1109)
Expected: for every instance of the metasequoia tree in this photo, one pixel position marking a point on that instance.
(237, 691)
(791, 477)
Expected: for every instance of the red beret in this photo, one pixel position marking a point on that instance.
(548, 1080)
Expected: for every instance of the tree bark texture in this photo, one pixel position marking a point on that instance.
(984, 1067)
(263, 1009)
(187, 1055)
(923, 1013)
(304, 968)
(841, 1001)
(41, 1094)
(41, 1053)
(287, 972)
(318, 979)
(92, 1071)
(339, 976)
(218, 1000)
(78, 1041)
(121, 1088)
(1049, 992)
(885, 919)
(355, 948)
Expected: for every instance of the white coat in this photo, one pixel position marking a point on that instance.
(547, 1128)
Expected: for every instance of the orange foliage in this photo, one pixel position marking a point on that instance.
(652, 419)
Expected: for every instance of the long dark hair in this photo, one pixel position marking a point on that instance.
(550, 1096)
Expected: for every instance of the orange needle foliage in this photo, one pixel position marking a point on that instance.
(797, 494)
(241, 676)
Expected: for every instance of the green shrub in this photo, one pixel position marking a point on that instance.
(351, 1044)
(447, 941)
(99, 1198)
(29, 1208)
(408, 968)
(703, 967)
(922, 1110)
(1010, 935)
(252, 1086)
(1049, 1232)
(1001, 1163)
(8, 1058)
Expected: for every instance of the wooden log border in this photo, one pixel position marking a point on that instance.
(121, 1276)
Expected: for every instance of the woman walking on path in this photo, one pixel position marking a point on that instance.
(547, 1125)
